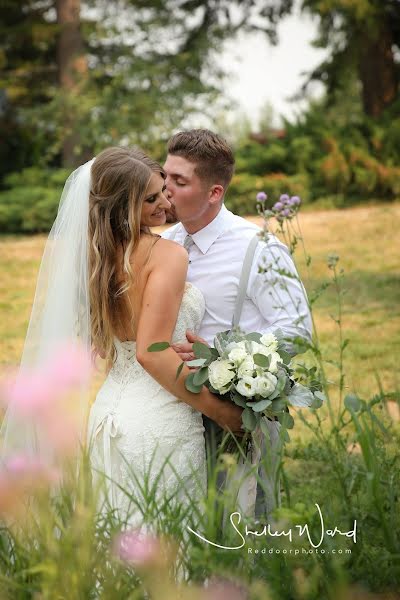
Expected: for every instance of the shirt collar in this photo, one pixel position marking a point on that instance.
(205, 238)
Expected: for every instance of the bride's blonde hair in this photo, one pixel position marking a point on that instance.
(119, 180)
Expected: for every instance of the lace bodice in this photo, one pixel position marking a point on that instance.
(190, 316)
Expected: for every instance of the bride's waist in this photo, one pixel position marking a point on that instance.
(126, 370)
(130, 379)
(140, 394)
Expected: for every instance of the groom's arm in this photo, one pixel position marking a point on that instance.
(278, 293)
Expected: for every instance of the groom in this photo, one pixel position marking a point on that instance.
(199, 168)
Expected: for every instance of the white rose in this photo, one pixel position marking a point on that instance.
(247, 386)
(246, 368)
(220, 374)
(254, 347)
(270, 341)
(260, 349)
(275, 359)
(242, 344)
(266, 384)
(229, 347)
(237, 355)
(249, 346)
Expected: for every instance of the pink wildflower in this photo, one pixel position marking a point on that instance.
(137, 548)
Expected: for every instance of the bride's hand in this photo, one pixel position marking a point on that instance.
(185, 350)
(229, 417)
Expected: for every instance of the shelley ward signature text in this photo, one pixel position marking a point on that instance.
(266, 530)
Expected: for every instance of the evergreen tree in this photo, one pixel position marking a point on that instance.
(362, 36)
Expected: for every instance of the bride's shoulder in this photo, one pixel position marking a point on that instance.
(169, 249)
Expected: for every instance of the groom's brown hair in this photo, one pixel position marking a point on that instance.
(212, 155)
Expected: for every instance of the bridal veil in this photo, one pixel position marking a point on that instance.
(60, 313)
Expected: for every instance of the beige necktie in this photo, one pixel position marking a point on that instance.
(188, 243)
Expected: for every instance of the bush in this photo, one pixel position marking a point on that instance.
(334, 169)
(241, 196)
(30, 204)
(255, 158)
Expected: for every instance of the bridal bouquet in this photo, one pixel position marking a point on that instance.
(253, 371)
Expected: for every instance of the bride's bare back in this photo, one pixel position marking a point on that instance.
(128, 305)
(154, 300)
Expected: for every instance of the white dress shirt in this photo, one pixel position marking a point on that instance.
(273, 300)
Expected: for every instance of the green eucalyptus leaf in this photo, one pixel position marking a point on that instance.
(238, 399)
(158, 347)
(288, 386)
(286, 420)
(249, 419)
(179, 370)
(264, 427)
(221, 340)
(285, 356)
(191, 386)
(261, 360)
(261, 405)
(201, 376)
(300, 396)
(274, 394)
(319, 399)
(280, 386)
(197, 362)
(278, 406)
(253, 337)
(202, 351)
(317, 403)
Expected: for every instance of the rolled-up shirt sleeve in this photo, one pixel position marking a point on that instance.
(276, 290)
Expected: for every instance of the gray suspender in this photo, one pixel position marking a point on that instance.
(244, 278)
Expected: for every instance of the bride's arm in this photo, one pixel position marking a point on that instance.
(162, 298)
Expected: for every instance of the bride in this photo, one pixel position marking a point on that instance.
(109, 282)
(144, 422)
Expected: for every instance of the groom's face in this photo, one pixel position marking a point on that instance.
(188, 194)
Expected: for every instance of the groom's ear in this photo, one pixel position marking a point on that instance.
(216, 194)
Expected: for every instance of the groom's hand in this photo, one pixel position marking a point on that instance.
(185, 350)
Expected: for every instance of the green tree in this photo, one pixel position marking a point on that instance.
(361, 36)
(27, 79)
(81, 74)
(72, 70)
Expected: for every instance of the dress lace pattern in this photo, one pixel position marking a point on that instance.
(137, 429)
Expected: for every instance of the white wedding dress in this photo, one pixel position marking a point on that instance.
(137, 429)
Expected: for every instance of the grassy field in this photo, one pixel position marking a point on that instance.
(348, 480)
(365, 240)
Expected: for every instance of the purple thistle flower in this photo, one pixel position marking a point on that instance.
(261, 197)
(286, 212)
(296, 200)
(284, 198)
(277, 206)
